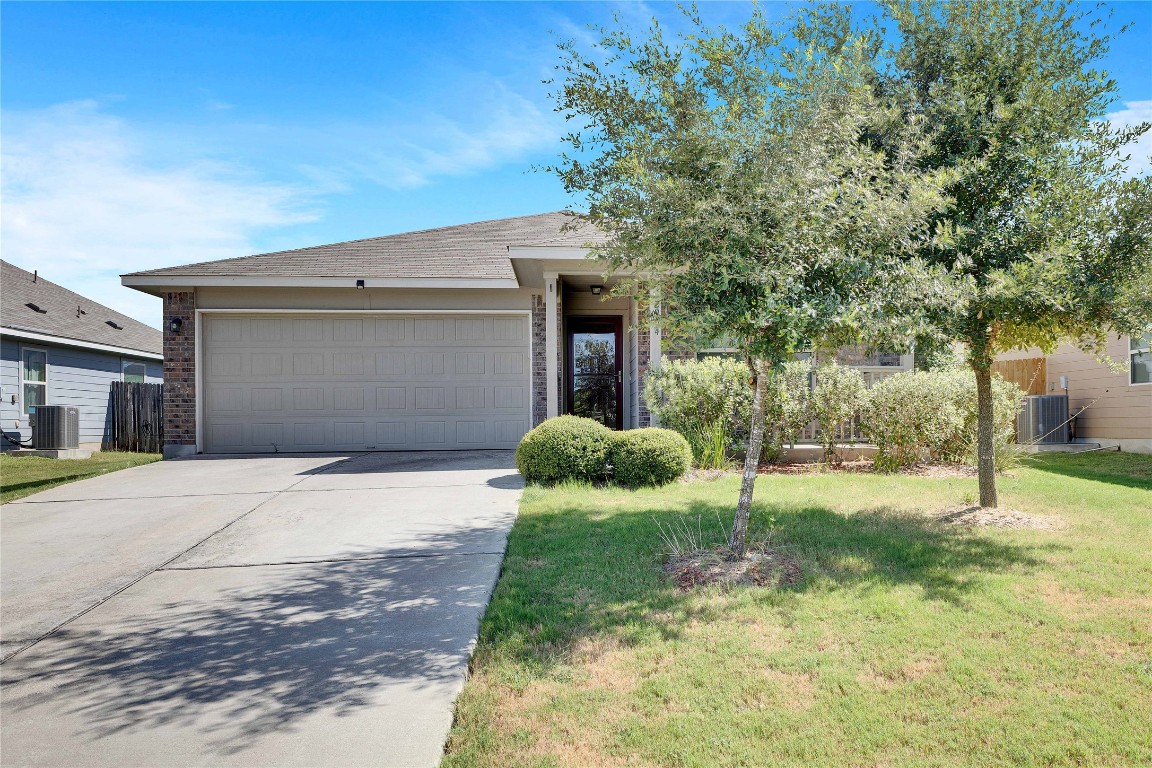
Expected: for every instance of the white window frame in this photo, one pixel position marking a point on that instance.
(127, 361)
(23, 400)
(1135, 351)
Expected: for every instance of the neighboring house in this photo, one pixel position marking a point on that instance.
(59, 348)
(459, 337)
(1112, 407)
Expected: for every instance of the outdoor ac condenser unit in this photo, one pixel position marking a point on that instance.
(1043, 420)
(55, 427)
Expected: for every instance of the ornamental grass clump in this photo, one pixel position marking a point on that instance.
(649, 456)
(565, 448)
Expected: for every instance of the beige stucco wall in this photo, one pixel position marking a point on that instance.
(1116, 411)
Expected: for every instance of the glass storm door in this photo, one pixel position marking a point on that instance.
(595, 369)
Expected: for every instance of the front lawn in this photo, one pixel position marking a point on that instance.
(22, 476)
(907, 642)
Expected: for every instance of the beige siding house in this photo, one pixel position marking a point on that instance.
(452, 338)
(1114, 407)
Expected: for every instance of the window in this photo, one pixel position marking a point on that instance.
(733, 354)
(1140, 360)
(863, 357)
(34, 373)
(718, 347)
(133, 372)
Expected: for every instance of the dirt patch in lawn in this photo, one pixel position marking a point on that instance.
(989, 517)
(695, 475)
(761, 568)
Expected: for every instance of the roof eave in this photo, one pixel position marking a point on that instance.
(67, 341)
(146, 281)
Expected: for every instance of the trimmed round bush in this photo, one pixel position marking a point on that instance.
(564, 448)
(649, 456)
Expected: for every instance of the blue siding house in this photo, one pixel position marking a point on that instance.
(59, 348)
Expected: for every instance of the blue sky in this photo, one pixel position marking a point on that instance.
(141, 135)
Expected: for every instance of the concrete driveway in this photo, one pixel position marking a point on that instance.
(251, 611)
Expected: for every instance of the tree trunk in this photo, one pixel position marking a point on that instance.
(737, 542)
(985, 431)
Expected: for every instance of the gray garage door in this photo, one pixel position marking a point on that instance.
(355, 383)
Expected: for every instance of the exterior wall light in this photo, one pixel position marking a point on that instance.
(175, 324)
(596, 290)
(359, 283)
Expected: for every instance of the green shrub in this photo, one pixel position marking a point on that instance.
(837, 397)
(934, 412)
(907, 414)
(787, 409)
(707, 401)
(649, 456)
(565, 448)
(1007, 400)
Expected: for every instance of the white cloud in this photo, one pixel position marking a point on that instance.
(85, 199)
(1134, 113)
(88, 196)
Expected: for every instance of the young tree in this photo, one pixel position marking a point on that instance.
(1046, 240)
(729, 170)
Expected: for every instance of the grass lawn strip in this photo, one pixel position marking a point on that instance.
(908, 641)
(22, 476)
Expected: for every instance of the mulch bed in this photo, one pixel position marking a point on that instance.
(762, 568)
(988, 517)
(859, 467)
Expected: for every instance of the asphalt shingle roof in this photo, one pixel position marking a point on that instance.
(67, 314)
(477, 250)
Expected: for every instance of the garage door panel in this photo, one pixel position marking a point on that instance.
(290, 383)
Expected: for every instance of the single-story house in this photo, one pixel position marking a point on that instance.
(59, 348)
(1112, 407)
(459, 337)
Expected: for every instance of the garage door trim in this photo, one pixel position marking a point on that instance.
(200, 390)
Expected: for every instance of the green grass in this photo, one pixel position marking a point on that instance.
(22, 476)
(906, 644)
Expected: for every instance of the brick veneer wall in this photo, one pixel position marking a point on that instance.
(180, 369)
(539, 359)
(643, 360)
(669, 352)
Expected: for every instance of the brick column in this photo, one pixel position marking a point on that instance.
(180, 375)
(539, 361)
(643, 362)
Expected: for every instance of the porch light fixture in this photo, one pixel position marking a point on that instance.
(596, 290)
(175, 324)
(359, 283)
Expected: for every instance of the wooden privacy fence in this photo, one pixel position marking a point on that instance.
(135, 417)
(1030, 373)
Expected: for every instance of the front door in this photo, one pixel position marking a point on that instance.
(596, 369)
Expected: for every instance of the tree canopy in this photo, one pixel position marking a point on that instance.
(1044, 239)
(730, 170)
(728, 167)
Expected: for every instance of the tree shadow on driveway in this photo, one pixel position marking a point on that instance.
(237, 653)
